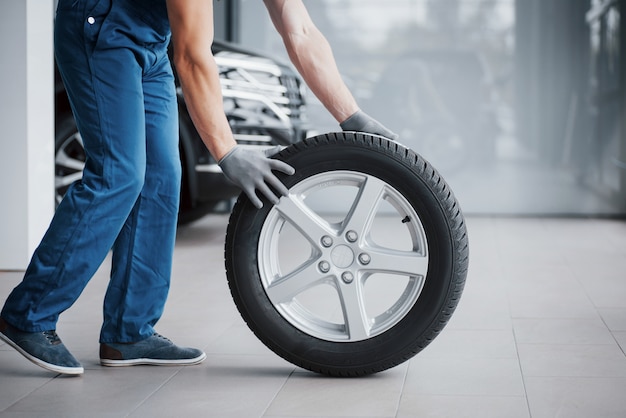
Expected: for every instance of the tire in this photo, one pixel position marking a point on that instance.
(361, 288)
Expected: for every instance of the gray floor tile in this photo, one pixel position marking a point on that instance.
(547, 291)
(309, 395)
(436, 406)
(576, 397)
(614, 318)
(19, 378)
(472, 344)
(561, 331)
(224, 386)
(455, 376)
(100, 392)
(620, 337)
(606, 286)
(571, 360)
(238, 339)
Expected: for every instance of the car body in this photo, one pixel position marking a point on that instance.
(264, 101)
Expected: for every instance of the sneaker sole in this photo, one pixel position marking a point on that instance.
(48, 366)
(153, 362)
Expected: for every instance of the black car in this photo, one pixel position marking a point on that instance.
(264, 103)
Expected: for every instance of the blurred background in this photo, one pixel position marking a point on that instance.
(519, 104)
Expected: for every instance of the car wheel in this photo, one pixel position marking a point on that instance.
(69, 156)
(359, 267)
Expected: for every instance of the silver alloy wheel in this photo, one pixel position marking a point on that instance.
(309, 258)
(69, 162)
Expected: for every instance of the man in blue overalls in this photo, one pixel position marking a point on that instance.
(112, 55)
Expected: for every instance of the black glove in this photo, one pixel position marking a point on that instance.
(362, 122)
(251, 170)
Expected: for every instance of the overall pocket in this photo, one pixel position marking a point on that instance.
(94, 16)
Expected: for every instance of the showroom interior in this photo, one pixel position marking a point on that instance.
(521, 107)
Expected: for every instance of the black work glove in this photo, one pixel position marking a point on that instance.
(251, 170)
(362, 122)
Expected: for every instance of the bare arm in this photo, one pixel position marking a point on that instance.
(191, 22)
(311, 54)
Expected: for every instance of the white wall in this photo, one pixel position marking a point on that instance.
(26, 128)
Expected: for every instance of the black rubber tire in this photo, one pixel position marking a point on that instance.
(443, 224)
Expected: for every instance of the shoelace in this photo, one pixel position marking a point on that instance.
(52, 337)
(156, 334)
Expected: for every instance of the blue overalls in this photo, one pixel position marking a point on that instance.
(112, 55)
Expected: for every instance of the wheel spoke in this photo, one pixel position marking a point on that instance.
(66, 161)
(62, 181)
(304, 219)
(284, 289)
(353, 306)
(365, 206)
(396, 262)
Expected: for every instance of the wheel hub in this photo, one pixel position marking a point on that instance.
(342, 256)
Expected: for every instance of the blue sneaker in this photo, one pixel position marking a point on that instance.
(155, 350)
(45, 349)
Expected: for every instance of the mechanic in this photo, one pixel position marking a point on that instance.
(112, 56)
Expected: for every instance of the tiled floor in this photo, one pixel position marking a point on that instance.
(540, 332)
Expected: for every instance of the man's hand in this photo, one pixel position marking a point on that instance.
(251, 170)
(362, 122)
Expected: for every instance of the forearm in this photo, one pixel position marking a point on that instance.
(312, 56)
(192, 36)
(203, 98)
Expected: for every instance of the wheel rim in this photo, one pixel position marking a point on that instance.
(326, 272)
(69, 162)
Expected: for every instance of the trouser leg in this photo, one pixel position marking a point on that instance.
(142, 254)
